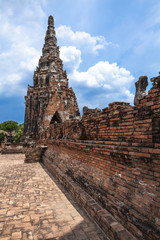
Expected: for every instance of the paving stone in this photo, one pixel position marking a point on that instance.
(5, 238)
(34, 206)
(16, 235)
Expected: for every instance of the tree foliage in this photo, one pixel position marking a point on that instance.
(2, 136)
(18, 134)
(9, 126)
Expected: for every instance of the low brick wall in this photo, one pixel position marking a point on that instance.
(104, 219)
(128, 188)
(34, 154)
(120, 122)
(13, 149)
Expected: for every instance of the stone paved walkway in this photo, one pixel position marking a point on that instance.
(34, 206)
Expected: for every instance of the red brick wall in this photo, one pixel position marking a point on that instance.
(115, 156)
(120, 122)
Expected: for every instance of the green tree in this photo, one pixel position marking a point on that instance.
(2, 136)
(18, 134)
(9, 126)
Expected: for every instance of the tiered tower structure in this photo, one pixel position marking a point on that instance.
(49, 100)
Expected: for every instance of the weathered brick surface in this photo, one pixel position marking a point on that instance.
(34, 207)
(104, 219)
(119, 122)
(35, 154)
(129, 190)
(13, 149)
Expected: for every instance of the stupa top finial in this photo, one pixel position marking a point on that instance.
(50, 21)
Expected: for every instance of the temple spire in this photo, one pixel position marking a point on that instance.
(50, 68)
(50, 21)
(50, 34)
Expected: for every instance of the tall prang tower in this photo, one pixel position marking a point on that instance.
(49, 100)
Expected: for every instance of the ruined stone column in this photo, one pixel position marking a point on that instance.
(141, 85)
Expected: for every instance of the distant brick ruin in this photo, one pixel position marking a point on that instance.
(109, 160)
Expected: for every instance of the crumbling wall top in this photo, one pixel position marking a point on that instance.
(156, 81)
(141, 85)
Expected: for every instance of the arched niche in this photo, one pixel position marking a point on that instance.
(47, 80)
(56, 118)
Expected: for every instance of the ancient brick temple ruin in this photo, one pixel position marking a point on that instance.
(49, 100)
(109, 160)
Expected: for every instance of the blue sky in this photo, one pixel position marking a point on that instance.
(105, 46)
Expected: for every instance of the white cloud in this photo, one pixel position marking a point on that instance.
(82, 39)
(11, 84)
(102, 82)
(19, 54)
(14, 77)
(71, 57)
(105, 82)
(30, 64)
